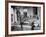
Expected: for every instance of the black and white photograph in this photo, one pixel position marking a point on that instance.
(24, 18)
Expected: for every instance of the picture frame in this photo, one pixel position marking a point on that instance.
(27, 7)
